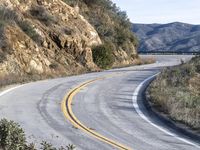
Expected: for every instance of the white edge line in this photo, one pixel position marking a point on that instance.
(142, 115)
(9, 90)
(136, 107)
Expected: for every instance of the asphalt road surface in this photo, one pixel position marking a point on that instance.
(104, 106)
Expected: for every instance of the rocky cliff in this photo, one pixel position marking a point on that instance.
(51, 38)
(44, 37)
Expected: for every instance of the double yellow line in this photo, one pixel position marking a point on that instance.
(68, 113)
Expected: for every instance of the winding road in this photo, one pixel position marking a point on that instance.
(94, 111)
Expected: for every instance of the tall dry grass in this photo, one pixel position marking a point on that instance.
(176, 92)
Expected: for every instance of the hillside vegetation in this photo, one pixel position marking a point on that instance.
(172, 37)
(176, 92)
(13, 138)
(113, 27)
(44, 37)
(49, 38)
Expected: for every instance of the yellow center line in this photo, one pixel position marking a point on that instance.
(66, 107)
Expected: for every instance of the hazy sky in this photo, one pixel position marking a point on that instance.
(161, 11)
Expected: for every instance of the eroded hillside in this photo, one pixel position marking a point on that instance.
(113, 27)
(44, 37)
(51, 38)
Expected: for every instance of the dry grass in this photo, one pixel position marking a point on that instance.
(11, 79)
(149, 60)
(15, 79)
(40, 13)
(176, 92)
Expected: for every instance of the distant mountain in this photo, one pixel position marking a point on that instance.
(173, 37)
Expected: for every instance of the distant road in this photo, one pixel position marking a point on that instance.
(94, 111)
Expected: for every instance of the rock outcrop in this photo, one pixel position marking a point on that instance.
(44, 37)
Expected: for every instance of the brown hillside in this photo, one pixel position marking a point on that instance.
(44, 37)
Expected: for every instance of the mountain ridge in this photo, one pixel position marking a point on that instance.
(170, 37)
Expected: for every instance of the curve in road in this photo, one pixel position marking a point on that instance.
(142, 115)
(67, 110)
(105, 107)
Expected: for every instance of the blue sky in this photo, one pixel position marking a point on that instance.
(161, 11)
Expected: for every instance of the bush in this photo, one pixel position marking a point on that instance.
(7, 15)
(110, 22)
(2, 23)
(30, 31)
(176, 93)
(30, 146)
(12, 137)
(42, 15)
(71, 147)
(70, 2)
(47, 146)
(103, 56)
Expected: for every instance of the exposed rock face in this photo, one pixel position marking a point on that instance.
(45, 37)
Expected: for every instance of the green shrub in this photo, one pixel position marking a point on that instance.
(7, 15)
(71, 147)
(40, 13)
(30, 31)
(12, 137)
(47, 146)
(70, 2)
(30, 146)
(2, 23)
(110, 22)
(103, 56)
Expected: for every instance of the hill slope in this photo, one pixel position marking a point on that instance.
(51, 38)
(44, 37)
(176, 92)
(113, 27)
(176, 37)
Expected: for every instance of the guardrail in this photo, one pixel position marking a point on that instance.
(169, 53)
